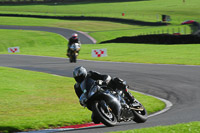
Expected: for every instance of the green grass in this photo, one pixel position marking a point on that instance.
(35, 100)
(147, 53)
(151, 104)
(33, 42)
(42, 102)
(86, 26)
(101, 31)
(191, 127)
(112, 34)
(50, 44)
(147, 10)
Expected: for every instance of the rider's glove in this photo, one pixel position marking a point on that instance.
(100, 82)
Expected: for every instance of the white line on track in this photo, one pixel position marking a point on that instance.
(167, 103)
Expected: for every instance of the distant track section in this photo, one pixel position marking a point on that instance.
(84, 38)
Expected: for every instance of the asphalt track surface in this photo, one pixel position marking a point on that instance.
(67, 33)
(179, 84)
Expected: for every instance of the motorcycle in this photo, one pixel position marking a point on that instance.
(109, 106)
(74, 50)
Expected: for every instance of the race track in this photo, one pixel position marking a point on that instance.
(177, 83)
(67, 33)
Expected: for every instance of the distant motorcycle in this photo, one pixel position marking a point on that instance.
(74, 50)
(109, 107)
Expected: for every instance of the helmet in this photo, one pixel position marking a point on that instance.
(74, 35)
(79, 74)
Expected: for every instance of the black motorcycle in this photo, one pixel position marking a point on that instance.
(109, 106)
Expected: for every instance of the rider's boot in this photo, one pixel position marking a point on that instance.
(129, 96)
(68, 51)
(122, 85)
(131, 100)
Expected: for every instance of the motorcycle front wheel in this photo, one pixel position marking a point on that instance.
(104, 113)
(72, 58)
(139, 112)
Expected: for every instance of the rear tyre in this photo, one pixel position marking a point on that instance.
(103, 113)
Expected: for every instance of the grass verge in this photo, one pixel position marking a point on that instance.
(101, 31)
(147, 53)
(141, 10)
(50, 44)
(146, 10)
(191, 127)
(35, 100)
(86, 26)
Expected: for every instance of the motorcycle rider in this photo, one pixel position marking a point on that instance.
(73, 39)
(80, 73)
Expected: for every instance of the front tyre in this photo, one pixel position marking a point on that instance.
(70, 59)
(94, 119)
(70, 56)
(74, 57)
(140, 113)
(103, 113)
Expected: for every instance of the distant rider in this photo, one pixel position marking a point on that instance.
(73, 39)
(80, 73)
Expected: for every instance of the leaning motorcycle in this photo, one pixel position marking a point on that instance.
(109, 106)
(74, 50)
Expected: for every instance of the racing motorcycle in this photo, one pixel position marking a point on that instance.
(74, 49)
(109, 106)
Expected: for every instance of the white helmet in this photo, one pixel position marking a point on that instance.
(74, 35)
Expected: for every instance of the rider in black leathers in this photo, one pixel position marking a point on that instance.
(80, 73)
(72, 40)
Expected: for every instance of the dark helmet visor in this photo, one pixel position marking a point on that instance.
(79, 79)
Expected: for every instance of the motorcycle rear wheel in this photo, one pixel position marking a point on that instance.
(106, 116)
